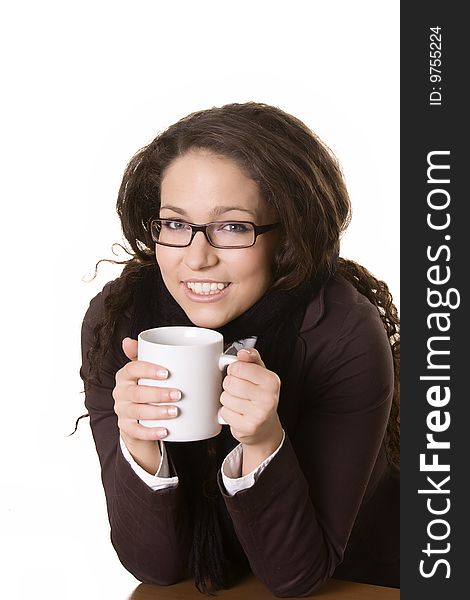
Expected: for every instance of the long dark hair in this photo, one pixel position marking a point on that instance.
(296, 174)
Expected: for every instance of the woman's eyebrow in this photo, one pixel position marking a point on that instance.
(218, 210)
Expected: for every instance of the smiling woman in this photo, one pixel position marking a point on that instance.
(234, 217)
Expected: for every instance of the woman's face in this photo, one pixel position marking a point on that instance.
(201, 187)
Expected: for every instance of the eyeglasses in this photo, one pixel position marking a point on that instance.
(220, 234)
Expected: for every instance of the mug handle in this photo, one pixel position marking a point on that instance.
(224, 361)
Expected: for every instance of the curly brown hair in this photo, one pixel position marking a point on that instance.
(296, 173)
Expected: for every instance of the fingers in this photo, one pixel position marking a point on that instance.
(145, 394)
(246, 398)
(129, 413)
(250, 355)
(134, 402)
(236, 421)
(129, 347)
(149, 394)
(240, 406)
(135, 431)
(250, 397)
(140, 369)
(241, 388)
(250, 421)
(149, 412)
(254, 372)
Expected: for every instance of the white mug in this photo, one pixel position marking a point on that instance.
(195, 362)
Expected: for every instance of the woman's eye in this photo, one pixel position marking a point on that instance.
(235, 227)
(174, 225)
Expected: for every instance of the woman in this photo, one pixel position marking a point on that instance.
(303, 484)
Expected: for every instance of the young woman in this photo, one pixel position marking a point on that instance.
(234, 216)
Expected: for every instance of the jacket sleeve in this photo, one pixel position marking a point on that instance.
(149, 530)
(295, 522)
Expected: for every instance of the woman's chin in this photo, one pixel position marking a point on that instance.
(208, 316)
(206, 321)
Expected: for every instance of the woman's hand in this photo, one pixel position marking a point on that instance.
(133, 402)
(250, 399)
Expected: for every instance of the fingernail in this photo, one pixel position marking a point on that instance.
(245, 350)
(172, 411)
(162, 373)
(175, 395)
(161, 433)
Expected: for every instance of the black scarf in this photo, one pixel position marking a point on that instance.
(275, 320)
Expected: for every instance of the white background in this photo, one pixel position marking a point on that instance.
(86, 84)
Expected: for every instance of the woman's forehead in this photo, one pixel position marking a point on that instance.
(212, 184)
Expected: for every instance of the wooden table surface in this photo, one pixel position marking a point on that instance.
(252, 589)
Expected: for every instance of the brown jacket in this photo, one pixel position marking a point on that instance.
(326, 505)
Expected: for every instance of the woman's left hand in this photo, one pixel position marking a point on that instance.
(250, 399)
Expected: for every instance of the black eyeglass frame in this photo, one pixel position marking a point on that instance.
(258, 230)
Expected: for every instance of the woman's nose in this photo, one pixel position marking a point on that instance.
(200, 253)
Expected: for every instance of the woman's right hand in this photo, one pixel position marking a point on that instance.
(133, 402)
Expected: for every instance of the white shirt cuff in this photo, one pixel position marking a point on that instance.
(232, 468)
(161, 480)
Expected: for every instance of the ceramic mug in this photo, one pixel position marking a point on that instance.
(195, 362)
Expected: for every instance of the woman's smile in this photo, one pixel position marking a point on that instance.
(206, 292)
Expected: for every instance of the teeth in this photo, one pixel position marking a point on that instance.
(206, 288)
